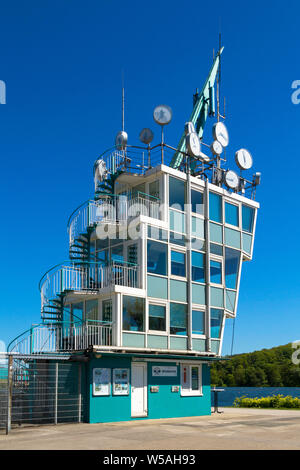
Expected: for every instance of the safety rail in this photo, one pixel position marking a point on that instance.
(54, 338)
(111, 208)
(86, 277)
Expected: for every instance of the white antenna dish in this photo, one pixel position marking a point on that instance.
(193, 144)
(243, 159)
(146, 136)
(220, 133)
(100, 171)
(231, 179)
(189, 128)
(121, 140)
(216, 148)
(162, 114)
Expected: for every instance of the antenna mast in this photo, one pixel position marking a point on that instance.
(219, 83)
(123, 102)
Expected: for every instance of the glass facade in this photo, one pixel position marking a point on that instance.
(247, 218)
(197, 322)
(198, 271)
(178, 319)
(232, 261)
(178, 263)
(216, 317)
(215, 207)
(161, 317)
(157, 256)
(176, 193)
(231, 214)
(133, 313)
(197, 202)
(215, 272)
(157, 317)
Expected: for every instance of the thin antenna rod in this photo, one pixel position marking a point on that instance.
(219, 82)
(123, 102)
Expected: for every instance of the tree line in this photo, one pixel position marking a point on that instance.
(266, 368)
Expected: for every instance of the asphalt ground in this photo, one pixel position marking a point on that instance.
(235, 429)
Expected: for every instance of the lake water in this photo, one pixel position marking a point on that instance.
(227, 397)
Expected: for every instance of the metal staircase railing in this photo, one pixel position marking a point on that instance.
(57, 337)
(85, 277)
(107, 209)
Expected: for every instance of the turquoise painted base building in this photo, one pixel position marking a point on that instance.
(154, 270)
(161, 396)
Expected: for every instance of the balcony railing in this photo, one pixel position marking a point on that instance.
(112, 208)
(60, 338)
(86, 277)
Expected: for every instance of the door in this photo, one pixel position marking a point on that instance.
(139, 390)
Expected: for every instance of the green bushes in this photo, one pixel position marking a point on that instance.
(275, 401)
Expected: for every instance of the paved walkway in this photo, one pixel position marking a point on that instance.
(234, 429)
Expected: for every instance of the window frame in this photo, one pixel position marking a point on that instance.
(217, 259)
(233, 203)
(160, 304)
(182, 250)
(188, 391)
(197, 308)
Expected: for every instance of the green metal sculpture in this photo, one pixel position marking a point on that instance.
(203, 106)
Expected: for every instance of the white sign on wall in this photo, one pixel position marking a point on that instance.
(164, 371)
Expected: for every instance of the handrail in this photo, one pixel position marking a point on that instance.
(67, 262)
(43, 337)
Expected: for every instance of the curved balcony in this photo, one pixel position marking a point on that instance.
(111, 208)
(59, 337)
(85, 277)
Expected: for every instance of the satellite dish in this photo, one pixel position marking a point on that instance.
(100, 171)
(216, 147)
(193, 144)
(189, 128)
(162, 114)
(243, 159)
(220, 133)
(146, 136)
(121, 140)
(231, 179)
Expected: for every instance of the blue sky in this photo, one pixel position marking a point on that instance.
(62, 63)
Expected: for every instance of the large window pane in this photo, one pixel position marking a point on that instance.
(177, 263)
(215, 272)
(215, 207)
(247, 218)
(91, 310)
(157, 317)
(157, 233)
(216, 316)
(197, 322)
(231, 214)
(198, 273)
(178, 314)
(177, 238)
(232, 261)
(197, 227)
(176, 192)
(157, 258)
(177, 221)
(216, 249)
(197, 202)
(133, 313)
